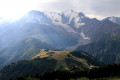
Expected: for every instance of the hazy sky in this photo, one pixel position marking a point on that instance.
(92, 8)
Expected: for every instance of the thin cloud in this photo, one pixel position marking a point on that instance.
(92, 8)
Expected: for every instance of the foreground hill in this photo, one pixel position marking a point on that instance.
(49, 60)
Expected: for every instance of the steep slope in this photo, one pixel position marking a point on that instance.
(113, 19)
(106, 51)
(23, 50)
(35, 24)
(49, 60)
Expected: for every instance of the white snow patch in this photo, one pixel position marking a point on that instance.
(112, 19)
(83, 36)
(78, 22)
(72, 15)
(54, 16)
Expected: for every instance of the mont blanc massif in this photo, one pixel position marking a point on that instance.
(41, 42)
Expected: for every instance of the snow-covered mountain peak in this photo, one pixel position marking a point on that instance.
(70, 18)
(55, 17)
(69, 13)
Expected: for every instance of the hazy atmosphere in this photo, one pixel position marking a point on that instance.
(92, 8)
(59, 39)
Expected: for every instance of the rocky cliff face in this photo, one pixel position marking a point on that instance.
(106, 51)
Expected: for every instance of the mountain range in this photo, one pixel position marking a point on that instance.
(35, 31)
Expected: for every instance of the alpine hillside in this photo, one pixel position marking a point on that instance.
(69, 30)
